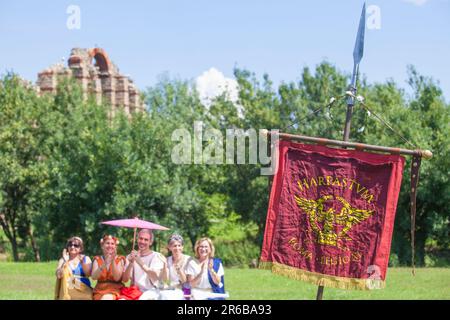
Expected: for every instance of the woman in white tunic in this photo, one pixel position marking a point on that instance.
(176, 269)
(206, 276)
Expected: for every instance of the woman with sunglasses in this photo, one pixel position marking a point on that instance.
(73, 273)
(107, 270)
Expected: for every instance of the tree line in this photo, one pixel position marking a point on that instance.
(66, 165)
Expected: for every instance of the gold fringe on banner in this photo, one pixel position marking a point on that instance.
(323, 279)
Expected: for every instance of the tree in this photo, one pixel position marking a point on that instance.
(23, 159)
(66, 165)
(299, 108)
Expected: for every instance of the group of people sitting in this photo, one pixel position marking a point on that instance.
(153, 276)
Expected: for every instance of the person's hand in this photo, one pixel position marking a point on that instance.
(65, 255)
(210, 265)
(178, 269)
(204, 265)
(108, 259)
(132, 256)
(138, 259)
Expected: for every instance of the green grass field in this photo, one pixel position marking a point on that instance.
(32, 281)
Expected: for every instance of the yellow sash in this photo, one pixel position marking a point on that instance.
(69, 287)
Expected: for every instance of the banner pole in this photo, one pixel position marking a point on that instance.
(319, 293)
(357, 56)
(425, 154)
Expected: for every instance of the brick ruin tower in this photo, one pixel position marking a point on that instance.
(101, 79)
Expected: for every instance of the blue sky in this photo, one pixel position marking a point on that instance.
(146, 39)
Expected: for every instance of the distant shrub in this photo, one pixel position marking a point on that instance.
(237, 253)
(393, 260)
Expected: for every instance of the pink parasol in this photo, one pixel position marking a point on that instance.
(134, 223)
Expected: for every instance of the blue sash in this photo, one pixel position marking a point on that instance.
(216, 288)
(80, 272)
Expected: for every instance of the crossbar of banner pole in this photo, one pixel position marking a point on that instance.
(425, 154)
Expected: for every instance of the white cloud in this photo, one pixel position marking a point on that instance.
(417, 2)
(212, 83)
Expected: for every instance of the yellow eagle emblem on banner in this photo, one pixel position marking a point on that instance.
(324, 223)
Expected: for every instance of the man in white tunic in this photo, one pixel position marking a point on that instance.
(145, 266)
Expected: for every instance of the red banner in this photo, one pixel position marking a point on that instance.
(331, 215)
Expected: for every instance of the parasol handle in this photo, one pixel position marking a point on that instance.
(134, 238)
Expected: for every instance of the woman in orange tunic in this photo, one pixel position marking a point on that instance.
(108, 270)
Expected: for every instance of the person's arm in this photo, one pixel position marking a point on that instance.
(129, 267)
(86, 264)
(183, 270)
(152, 272)
(165, 271)
(153, 275)
(117, 269)
(181, 274)
(215, 277)
(59, 268)
(195, 280)
(96, 270)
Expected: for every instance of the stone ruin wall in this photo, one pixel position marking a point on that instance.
(101, 79)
